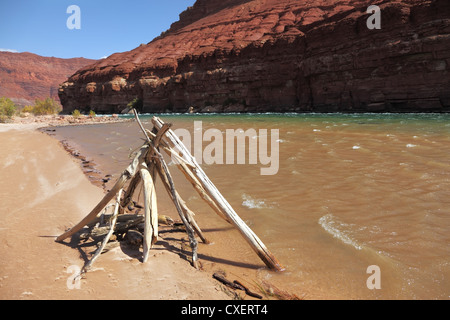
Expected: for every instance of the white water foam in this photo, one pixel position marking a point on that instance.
(338, 230)
(251, 203)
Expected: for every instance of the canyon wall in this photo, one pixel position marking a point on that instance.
(280, 56)
(25, 76)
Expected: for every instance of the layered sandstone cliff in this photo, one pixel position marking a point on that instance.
(280, 55)
(26, 76)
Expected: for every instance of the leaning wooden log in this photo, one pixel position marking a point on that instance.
(101, 217)
(189, 215)
(151, 213)
(257, 245)
(189, 229)
(108, 235)
(185, 166)
(147, 162)
(128, 195)
(129, 172)
(199, 188)
(163, 170)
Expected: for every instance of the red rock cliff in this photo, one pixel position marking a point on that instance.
(26, 76)
(281, 55)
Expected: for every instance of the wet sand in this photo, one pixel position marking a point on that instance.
(43, 191)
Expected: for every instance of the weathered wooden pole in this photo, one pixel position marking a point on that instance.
(108, 235)
(151, 213)
(257, 245)
(147, 161)
(162, 168)
(129, 173)
(189, 215)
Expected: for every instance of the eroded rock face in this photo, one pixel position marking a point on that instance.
(279, 56)
(26, 76)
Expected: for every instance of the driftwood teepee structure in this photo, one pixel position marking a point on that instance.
(147, 163)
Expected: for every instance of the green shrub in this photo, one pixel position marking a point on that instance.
(7, 109)
(137, 104)
(76, 113)
(28, 109)
(45, 107)
(92, 114)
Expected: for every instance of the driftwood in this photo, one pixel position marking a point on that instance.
(225, 208)
(124, 222)
(129, 172)
(236, 285)
(165, 175)
(226, 282)
(189, 215)
(151, 213)
(145, 166)
(108, 235)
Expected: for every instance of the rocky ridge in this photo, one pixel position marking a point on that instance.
(280, 56)
(25, 76)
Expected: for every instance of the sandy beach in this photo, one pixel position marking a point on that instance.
(43, 192)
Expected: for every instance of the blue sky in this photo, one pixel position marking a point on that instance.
(39, 26)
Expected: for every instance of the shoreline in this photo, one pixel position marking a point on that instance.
(47, 193)
(215, 258)
(172, 249)
(61, 120)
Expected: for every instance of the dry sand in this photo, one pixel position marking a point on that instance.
(43, 192)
